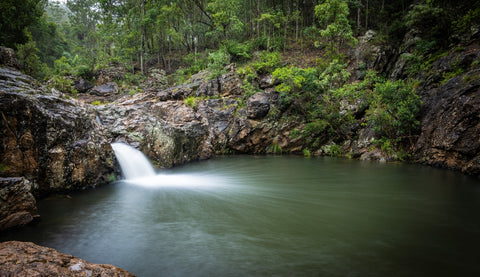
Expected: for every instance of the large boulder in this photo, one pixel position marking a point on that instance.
(82, 86)
(107, 89)
(17, 204)
(52, 141)
(8, 57)
(258, 106)
(28, 259)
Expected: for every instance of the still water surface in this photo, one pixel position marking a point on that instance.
(274, 216)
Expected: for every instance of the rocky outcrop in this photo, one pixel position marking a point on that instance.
(28, 259)
(8, 58)
(54, 142)
(450, 124)
(17, 204)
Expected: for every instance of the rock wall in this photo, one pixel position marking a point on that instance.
(17, 204)
(52, 141)
(28, 259)
(450, 120)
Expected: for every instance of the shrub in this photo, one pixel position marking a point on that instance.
(267, 62)
(192, 102)
(393, 112)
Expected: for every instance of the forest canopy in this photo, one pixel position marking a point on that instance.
(82, 35)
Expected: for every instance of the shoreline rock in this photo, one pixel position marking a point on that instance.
(28, 259)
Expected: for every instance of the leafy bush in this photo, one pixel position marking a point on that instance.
(239, 51)
(217, 61)
(63, 84)
(267, 62)
(192, 102)
(394, 110)
(29, 60)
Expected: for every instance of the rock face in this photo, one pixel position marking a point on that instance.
(55, 143)
(17, 204)
(8, 57)
(450, 124)
(28, 259)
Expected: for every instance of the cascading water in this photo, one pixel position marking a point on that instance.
(133, 163)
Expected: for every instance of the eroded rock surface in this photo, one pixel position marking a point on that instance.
(28, 259)
(450, 124)
(17, 204)
(54, 142)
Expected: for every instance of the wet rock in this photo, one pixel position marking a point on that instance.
(107, 89)
(82, 86)
(17, 204)
(8, 58)
(54, 142)
(258, 106)
(450, 125)
(28, 259)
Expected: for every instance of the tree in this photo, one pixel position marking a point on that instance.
(333, 18)
(15, 17)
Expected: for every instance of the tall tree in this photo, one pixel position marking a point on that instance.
(15, 17)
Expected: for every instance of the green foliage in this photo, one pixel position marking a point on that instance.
(29, 60)
(274, 148)
(3, 167)
(239, 51)
(15, 17)
(394, 110)
(306, 153)
(267, 62)
(295, 133)
(333, 150)
(333, 18)
(334, 76)
(192, 102)
(471, 18)
(217, 62)
(63, 84)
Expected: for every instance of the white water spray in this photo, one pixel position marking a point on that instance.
(133, 163)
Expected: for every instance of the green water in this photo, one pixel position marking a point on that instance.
(274, 216)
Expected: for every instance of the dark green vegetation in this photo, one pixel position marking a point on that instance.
(305, 45)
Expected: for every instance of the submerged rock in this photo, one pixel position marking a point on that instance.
(17, 204)
(28, 259)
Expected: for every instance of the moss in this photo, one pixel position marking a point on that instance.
(3, 167)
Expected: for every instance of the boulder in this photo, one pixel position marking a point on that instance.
(55, 143)
(258, 106)
(17, 204)
(107, 89)
(8, 57)
(28, 259)
(82, 86)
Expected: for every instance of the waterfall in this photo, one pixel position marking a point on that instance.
(132, 162)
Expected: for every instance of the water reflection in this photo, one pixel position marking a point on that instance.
(282, 216)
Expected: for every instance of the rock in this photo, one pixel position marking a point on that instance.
(55, 143)
(17, 204)
(230, 84)
(8, 58)
(107, 89)
(156, 80)
(28, 259)
(82, 86)
(113, 72)
(450, 125)
(258, 106)
(266, 81)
